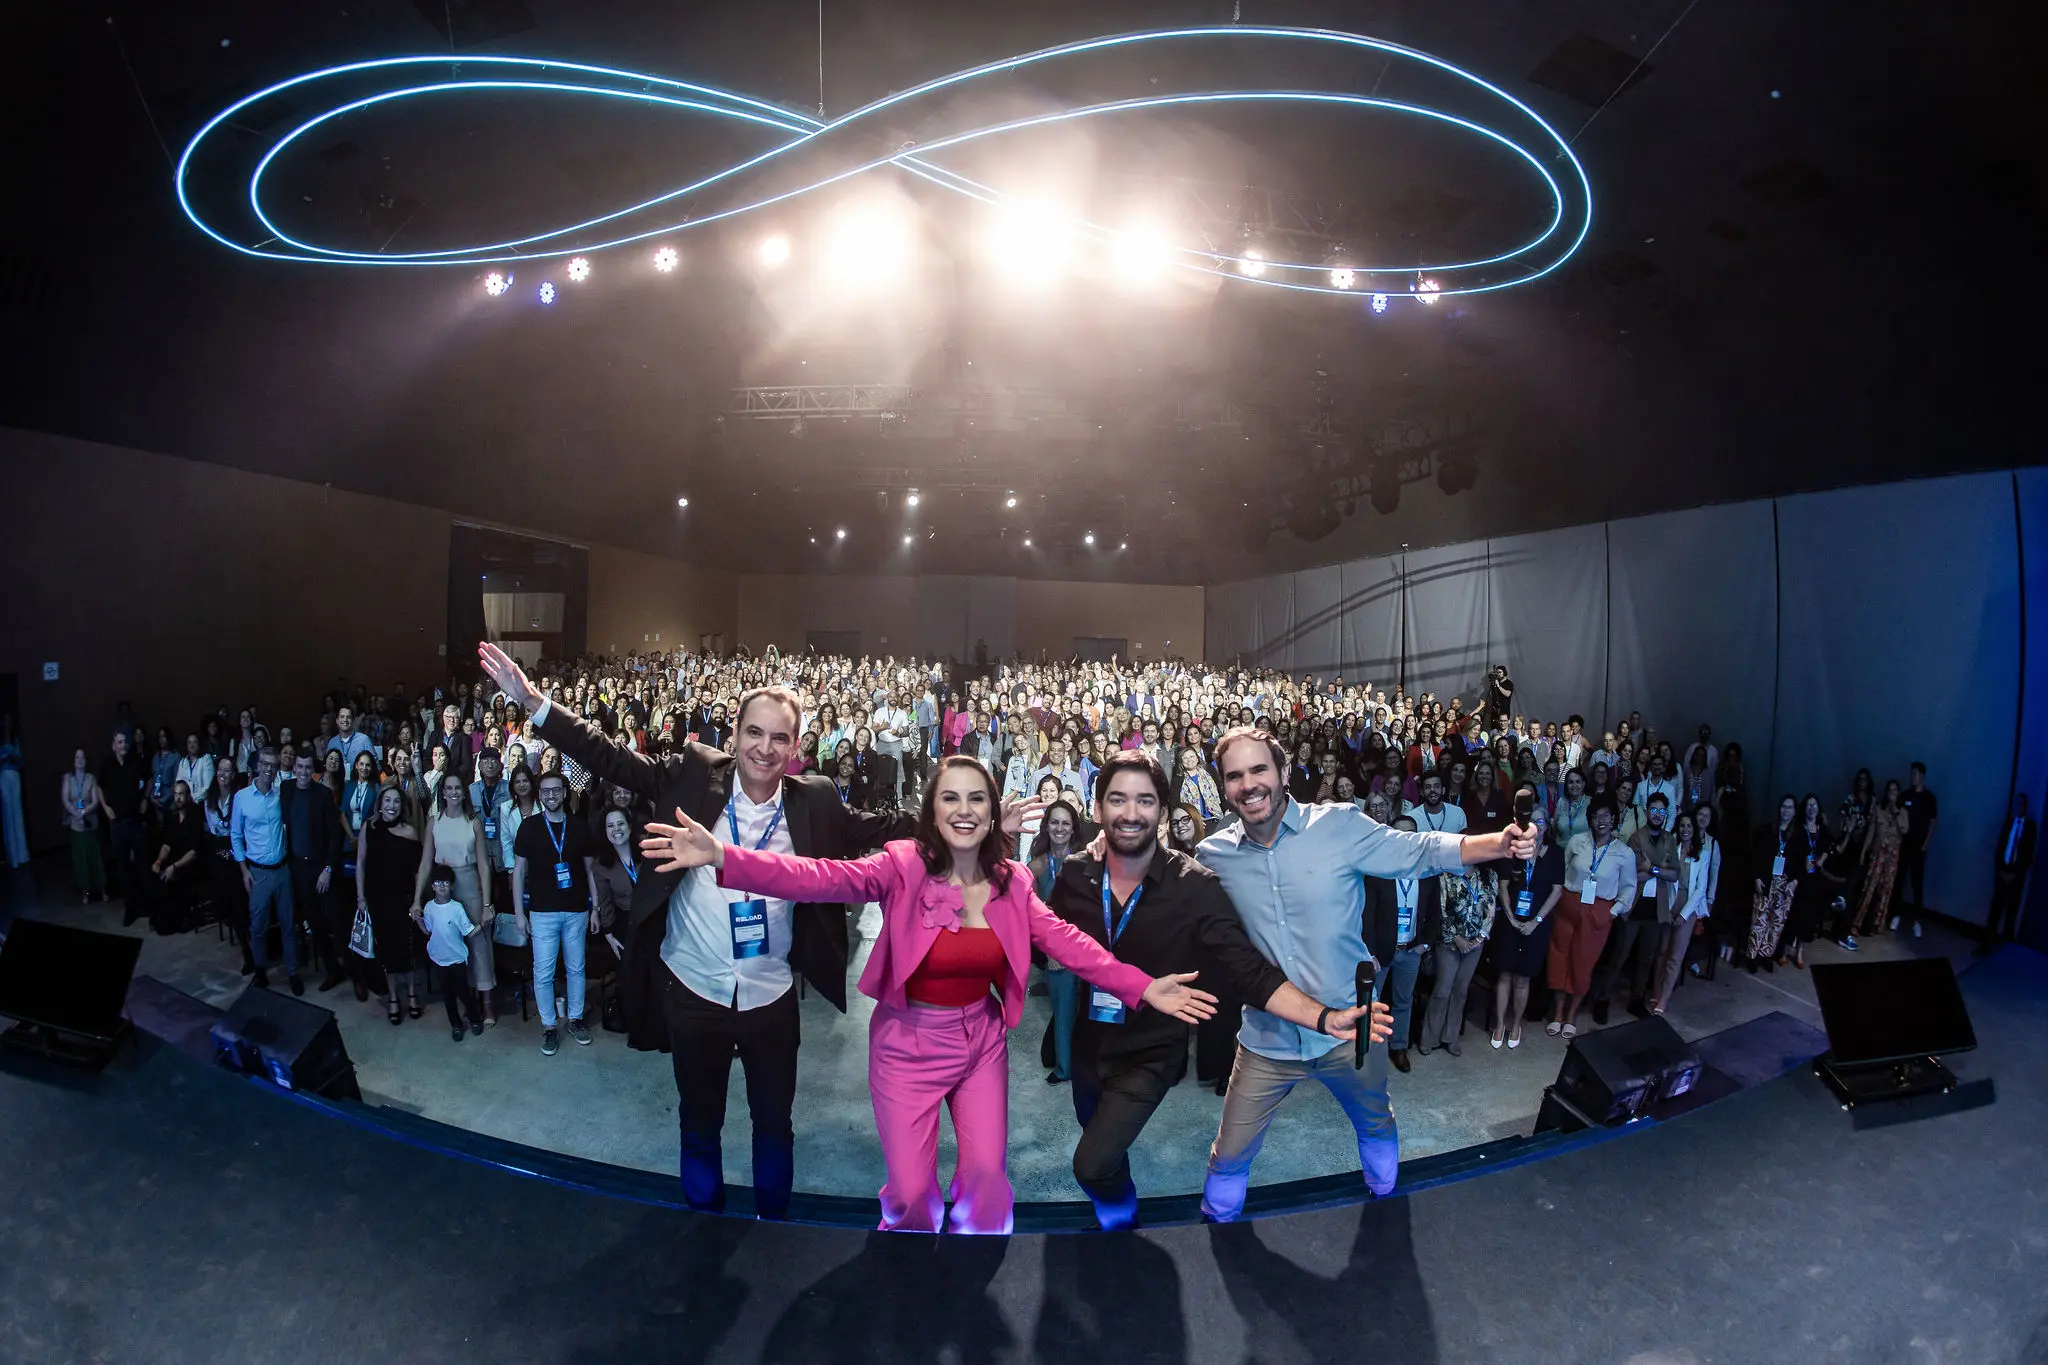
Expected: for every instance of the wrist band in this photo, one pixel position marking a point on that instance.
(1322, 1021)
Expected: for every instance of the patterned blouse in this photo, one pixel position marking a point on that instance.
(1470, 898)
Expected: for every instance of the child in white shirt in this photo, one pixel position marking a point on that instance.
(448, 931)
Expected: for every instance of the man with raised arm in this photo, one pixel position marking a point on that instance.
(1296, 875)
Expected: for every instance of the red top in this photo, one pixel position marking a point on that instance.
(959, 969)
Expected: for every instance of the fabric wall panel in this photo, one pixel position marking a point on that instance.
(2031, 492)
(992, 616)
(1447, 599)
(1318, 620)
(942, 616)
(1371, 631)
(1901, 642)
(1232, 618)
(1547, 618)
(1274, 640)
(1693, 629)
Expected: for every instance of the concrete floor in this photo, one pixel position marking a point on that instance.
(608, 1103)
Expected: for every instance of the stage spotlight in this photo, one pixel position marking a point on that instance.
(1142, 252)
(496, 284)
(1123, 545)
(773, 251)
(1088, 539)
(841, 533)
(682, 502)
(666, 259)
(1427, 291)
(1379, 303)
(1027, 542)
(1252, 263)
(908, 539)
(1342, 277)
(911, 500)
(1010, 501)
(579, 269)
(547, 291)
(1030, 243)
(867, 246)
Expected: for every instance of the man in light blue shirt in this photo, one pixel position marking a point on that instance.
(256, 835)
(1296, 875)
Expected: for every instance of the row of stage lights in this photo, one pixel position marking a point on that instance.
(1032, 248)
(912, 499)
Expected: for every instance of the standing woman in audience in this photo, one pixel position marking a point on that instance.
(616, 871)
(1700, 782)
(332, 777)
(1727, 916)
(1776, 881)
(1521, 936)
(231, 899)
(1811, 844)
(1690, 901)
(81, 793)
(359, 794)
(247, 740)
(12, 824)
(1600, 886)
(387, 870)
(1883, 836)
(453, 837)
(438, 765)
(1731, 804)
(1469, 897)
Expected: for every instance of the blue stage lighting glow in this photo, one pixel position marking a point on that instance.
(1379, 303)
(1509, 124)
(547, 291)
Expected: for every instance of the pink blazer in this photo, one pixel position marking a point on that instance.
(917, 907)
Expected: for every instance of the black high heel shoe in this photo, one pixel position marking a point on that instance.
(412, 1007)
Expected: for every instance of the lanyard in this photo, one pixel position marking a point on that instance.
(733, 822)
(632, 868)
(549, 826)
(1599, 856)
(1109, 899)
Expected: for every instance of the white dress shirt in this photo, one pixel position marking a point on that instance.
(697, 944)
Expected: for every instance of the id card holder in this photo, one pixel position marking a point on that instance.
(1524, 905)
(1104, 1008)
(1778, 866)
(749, 928)
(1589, 891)
(1809, 862)
(491, 828)
(562, 876)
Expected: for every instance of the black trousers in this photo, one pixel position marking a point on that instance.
(1632, 952)
(2004, 921)
(1216, 1042)
(703, 1039)
(1113, 1100)
(1912, 869)
(130, 861)
(318, 909)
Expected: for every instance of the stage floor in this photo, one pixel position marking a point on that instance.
(607, 1103)
(170, 1212)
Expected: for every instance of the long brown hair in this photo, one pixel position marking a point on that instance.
(994, 854)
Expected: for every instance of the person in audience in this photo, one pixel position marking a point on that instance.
(958, 920)
(1470, 898)
(388, 850)
(1530, 892)
(178, 874)
(81, 793)
(313, 842)
(1811, 845)
(1922, 814)
(1432, 814)
(348, 741)
(1185, 830)
(1058, 825)
(453, 940)
(123, 791)
(261, 846)
(1631, 952)
(13, 817)
(554, 895)
(1773, 847)
(1600, 887)
(452, 837)
(1691, 900)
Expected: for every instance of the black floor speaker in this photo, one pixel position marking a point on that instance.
(1614, 1074)
(292, 1043)
(67, 987)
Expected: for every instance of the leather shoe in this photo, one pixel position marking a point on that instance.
(297, 984)
(261, 980)
(362, 992)
(1399, 1057)
(330, 981)
(1600, 1012)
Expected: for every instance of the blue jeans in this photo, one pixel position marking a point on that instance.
(557, 932)
(1258, 1084)
(1400, 993)
(270, 886)
(1059, 988)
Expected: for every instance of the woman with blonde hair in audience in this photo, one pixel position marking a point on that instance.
(452, 836)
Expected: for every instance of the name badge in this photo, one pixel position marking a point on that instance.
(1590, 892)
(749, 928)
(1778, 866)
(1104, 1008)
(1809, 862)
(490, 827)
(1524, 905)
(562, 876)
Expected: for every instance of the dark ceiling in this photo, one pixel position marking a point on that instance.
(1807, 268)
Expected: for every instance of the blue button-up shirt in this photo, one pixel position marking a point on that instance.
(1303, 903)
(256, 827)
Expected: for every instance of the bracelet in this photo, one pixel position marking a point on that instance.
(1322, 1020)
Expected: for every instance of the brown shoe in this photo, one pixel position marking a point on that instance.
(1399, 1057)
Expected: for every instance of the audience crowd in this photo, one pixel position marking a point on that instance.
(347, 839)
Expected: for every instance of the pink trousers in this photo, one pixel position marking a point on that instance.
(917, 1059)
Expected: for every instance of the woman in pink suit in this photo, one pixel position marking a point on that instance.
(958, 918)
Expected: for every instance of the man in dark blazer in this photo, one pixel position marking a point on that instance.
(709, 974)
(2013, 858)
(1400, 955)
(312, 828)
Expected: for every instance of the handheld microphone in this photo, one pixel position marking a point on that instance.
(1525, 806)
(1366, 973)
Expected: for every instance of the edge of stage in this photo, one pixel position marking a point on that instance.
(166, 1210)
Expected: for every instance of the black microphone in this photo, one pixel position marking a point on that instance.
(1525, 806)
(1366, 973)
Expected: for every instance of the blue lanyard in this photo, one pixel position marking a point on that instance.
(733, 823)
(1109, 899)
(632, 868)
(1598, 858)
(549, 826)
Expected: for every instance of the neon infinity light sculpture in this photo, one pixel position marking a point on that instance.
(1402, 82)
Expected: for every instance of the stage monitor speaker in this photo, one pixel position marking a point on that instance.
(1879, 1012)
(67, 987)
(1614, 1074)
(290, 1042)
